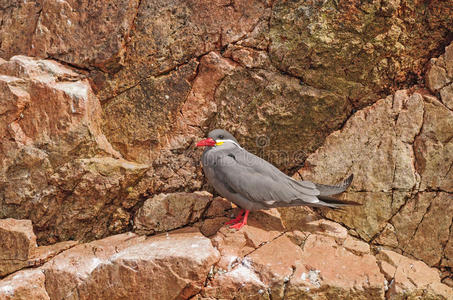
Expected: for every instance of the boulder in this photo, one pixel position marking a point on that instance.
(169, 211)
(18, 248)
(167, 266)
(17, 244)
(24, 285)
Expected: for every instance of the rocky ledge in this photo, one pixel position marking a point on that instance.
(276, 256)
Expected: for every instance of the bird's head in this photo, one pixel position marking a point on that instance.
(217, 137)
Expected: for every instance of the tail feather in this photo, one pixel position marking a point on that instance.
(327, 190)
(336, 203)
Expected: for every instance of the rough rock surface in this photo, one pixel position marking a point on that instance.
(406, 187)
(135, 267)
(360, 50)
(24, 285)
(439, 77)
(119, 267)
(98, 125)
(50, 131)
(410, 278)
(146, 59)
(165, 212)
(18, 248)
(265, 260)
(17, 242)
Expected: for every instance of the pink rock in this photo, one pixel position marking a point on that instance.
(17, 244)
(356, 246)
(167, 266)
(169, 211)
(411, 277)
(333, 266)
(24, 285)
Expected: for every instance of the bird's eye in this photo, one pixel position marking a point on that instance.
(221, 136)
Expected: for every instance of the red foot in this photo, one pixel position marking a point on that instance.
(238, 225)
(237, 219)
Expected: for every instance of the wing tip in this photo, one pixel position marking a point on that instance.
(347, 182)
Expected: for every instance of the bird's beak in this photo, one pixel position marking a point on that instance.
(207, 142)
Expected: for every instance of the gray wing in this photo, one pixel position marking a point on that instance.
(259, 181)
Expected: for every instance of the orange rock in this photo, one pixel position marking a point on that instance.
(330, 268)
(50, 132)
(17, 244)
(24, 285)
(411, 277)
(17, 239)
(169, 211)
(167, 266)
(356, 246)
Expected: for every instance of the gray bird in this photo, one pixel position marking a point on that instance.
(253, 184)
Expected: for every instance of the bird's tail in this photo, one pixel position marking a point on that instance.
(327, 190)
(326, 201)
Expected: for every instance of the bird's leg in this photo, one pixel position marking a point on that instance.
(244, 221)
(237, 219)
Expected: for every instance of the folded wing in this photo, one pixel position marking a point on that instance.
(259, 181)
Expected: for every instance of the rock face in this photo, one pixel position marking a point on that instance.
(303, 64)
(165, 212)
(407, 199)
(50, 131)
(359, 50)
(101, 103)
(19, 249)
(265, 260)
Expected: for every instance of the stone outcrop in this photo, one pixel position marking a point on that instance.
(357, 49)
(166, 212)
(101, 103)
(57, 168)
(409, 138)
(18, 248)
(267, 259)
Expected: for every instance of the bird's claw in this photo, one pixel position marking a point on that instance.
(237, 226)
(237, 219)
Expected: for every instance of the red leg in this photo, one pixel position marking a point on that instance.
(237, 219)
(239, 225)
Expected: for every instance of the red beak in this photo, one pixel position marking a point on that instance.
(207, 142)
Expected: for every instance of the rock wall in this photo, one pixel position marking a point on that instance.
(101, 105)
(406, 189)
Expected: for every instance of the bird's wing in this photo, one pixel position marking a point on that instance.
(259, 181)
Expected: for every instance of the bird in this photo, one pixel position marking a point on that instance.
(254, 184)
